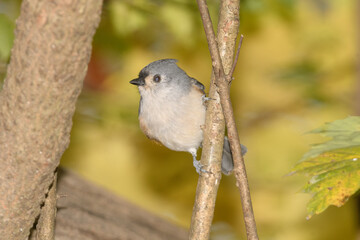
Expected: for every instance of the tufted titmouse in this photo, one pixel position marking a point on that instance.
(172, 110)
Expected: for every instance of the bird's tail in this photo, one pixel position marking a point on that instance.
(227, 163)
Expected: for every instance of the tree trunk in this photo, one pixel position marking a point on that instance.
(49, 61)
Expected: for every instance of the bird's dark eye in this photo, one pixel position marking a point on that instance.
(157, 78)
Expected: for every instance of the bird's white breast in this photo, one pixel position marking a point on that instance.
(176, 122)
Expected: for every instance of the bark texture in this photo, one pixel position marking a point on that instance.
(88, 212)
(208, 183)
(222, 81)
(49, 61)
(45, 227)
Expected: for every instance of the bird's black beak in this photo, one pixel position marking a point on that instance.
(138, 81)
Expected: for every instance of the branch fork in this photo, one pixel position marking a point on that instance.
(207, 188)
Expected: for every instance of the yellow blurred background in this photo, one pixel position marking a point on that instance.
(297, 70)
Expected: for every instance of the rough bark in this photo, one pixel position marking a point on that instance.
(88, 212)
(208, 183)
(49, 61)
(45, 227)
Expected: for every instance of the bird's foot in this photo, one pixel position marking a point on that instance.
(199, 167)
(205, 98)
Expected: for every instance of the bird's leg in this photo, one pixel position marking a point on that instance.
(198, 166)
(205, 98)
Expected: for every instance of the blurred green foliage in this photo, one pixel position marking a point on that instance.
(6, 37)
(8, 12)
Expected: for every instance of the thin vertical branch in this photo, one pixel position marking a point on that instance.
(222, 82)
(208, 182)
(236, 56)
(214, 129)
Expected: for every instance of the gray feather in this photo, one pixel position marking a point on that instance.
(227, 163)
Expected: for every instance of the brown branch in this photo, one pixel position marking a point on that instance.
(51, 51)
(224, 92)
(208, 183)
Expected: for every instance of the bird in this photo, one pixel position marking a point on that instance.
(172, 110)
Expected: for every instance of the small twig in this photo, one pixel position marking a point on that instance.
(236, 58)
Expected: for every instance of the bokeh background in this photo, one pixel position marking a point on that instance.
(297, 70)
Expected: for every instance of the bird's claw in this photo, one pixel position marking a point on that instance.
(205, 99)
(197, 164)
(199, 167)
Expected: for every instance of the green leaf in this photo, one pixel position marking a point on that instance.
(6, 37)
(334, 166)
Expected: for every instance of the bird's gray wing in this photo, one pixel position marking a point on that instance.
(198, 84)
(227, 163)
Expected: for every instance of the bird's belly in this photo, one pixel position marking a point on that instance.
(184, 140)
(178, 129)
(172, 133)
